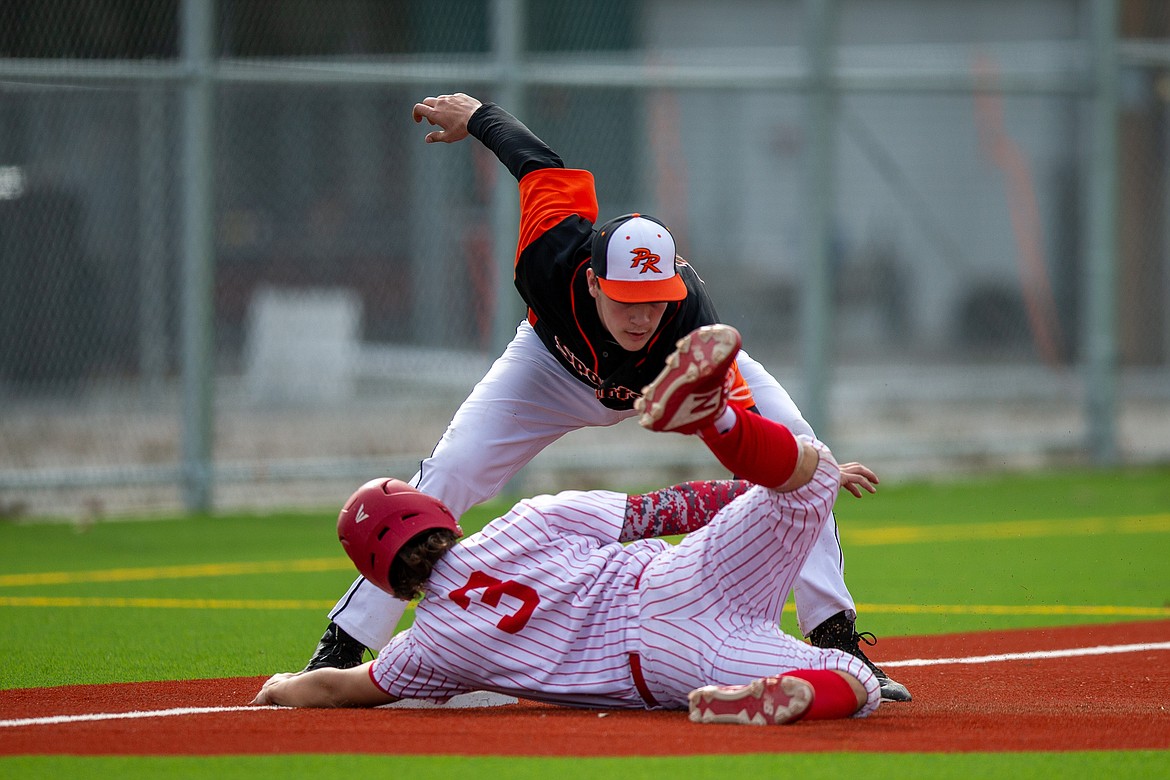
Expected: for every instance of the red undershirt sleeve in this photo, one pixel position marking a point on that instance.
(678, 509)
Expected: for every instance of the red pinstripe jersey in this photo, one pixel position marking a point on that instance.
(539, 604)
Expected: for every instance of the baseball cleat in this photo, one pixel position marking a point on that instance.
(764, 702)
(891, 689)
(691, 391)
(337, 650)
(840, 633)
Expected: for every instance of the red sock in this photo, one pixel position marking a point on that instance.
(834, 698)
(756, 449)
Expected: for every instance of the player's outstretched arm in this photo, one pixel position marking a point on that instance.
(325, 687)
(449, 112)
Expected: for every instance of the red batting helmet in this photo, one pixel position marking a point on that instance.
(381, 517)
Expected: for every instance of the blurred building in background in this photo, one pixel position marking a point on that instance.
(232, 273)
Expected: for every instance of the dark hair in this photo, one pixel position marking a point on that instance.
(411, 567)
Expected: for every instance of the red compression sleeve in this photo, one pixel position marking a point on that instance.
(834, 697)
(679, 509)
(756, 449)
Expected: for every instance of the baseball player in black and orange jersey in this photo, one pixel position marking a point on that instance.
(606, 308)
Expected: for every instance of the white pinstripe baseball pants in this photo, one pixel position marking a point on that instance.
(710, 607)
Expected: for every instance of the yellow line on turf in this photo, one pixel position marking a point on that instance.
(889, 535)
(959, 532)
(293, 604)
(176, 572)
(1103, 610)
(157, 603)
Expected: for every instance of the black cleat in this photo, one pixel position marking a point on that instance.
(839, 632)
(337, 650)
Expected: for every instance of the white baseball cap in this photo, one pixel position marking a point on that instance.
(633, 258)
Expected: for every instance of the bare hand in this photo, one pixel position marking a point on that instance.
(450, 112)
(856, 477)
(270, 691)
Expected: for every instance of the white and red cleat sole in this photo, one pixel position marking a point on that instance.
(691, 391)
(764, 702)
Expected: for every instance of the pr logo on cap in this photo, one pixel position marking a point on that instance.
(646, 259)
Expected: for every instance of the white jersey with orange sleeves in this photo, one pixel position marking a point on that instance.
(545, 603)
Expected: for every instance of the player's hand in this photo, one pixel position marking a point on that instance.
(270, 691)
(450, 112)
(856, 477)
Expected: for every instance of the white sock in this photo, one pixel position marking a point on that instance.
(726, 421)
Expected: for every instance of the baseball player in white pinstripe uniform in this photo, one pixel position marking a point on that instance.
(606, 306)
(547, 603)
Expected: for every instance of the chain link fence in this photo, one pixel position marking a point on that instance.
(233, 275)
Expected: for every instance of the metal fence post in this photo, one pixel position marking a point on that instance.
(1100, 324)
(507, 41)
(197, 252)
(816, 314)
(154, 253)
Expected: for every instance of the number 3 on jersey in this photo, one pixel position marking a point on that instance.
(493, 590)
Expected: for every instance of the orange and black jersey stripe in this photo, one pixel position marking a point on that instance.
(558, 208)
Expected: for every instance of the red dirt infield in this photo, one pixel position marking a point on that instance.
(1103, 701)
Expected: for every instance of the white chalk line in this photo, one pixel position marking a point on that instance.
(462, 701)
(486, 699)
(1033, 655)
(53, 720)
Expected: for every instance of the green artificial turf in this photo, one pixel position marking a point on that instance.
(223, 596)
(1135, 765)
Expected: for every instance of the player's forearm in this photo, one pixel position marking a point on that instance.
(323, 688)
(679, 509)
(518, 148)
(310, 689)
